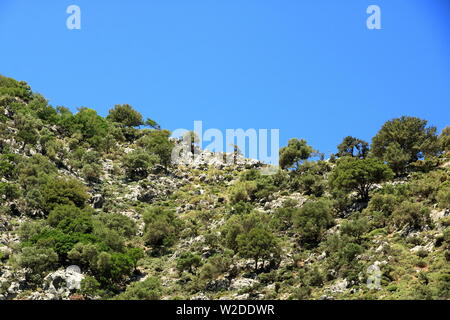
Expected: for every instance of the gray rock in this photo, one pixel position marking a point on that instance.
(218, 285)
(242, 283)
(62, 283)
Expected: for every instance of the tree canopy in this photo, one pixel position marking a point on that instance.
(125, 115)
(404, 140)
(295, 153)
(359, 175)
(353, 147)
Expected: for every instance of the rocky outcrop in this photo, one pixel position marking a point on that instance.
(62, 283)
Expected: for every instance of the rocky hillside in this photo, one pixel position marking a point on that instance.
(95, 208)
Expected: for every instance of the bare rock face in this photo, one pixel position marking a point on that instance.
(242, 283)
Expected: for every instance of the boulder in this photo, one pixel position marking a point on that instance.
(242, 283)
(62, 283)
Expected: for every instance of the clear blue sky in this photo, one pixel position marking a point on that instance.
(310, 68)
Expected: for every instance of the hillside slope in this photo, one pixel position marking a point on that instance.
(93, 208)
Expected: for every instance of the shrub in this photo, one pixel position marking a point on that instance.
(84, 254)
(62, 191)
(69, 219)
(161, 227)
(237, 225)
(125, 115)
(137, 164)
(158, 143)
(118, 222)
(113, 266)
(39, 260)
(188, 261)
(149, 289)
(86, 123)
(356, 227)
(90, 287)
(413, 215)
(312, 220)
(443, 198)
(242, 191)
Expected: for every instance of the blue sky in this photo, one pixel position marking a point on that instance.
(309, 68)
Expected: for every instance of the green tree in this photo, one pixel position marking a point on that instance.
(159, 144)
(38, 259)
(86, 122)
(444, 139)
(353, 147)
(295, 153)
(161, 227)
(69, 218)
(258, 244)
(360, 175)
(60, 191)
(410, 214)
(312, 220)
(138, 163)
(409, 137)
(152, 124)
(188, 261)
(125, 115)
(14, 88)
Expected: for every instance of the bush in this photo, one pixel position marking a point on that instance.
(311, 184)
(161, 227)
(114, 266)
(39, 260)
(342, 253)
(188, 261)
(355, 228)
(69, 218)
(125, 115)
(217, 265)
(86, 123)
(62, 191)
(240, 224)
(118, 222)
(149, 289)
(242, 191)
(138, 163)
(412, 215)
(90, 287)
(312, 220)
(443, 198)
(282, 217)
(158, 143)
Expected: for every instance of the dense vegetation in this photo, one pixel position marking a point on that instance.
(101, 193)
